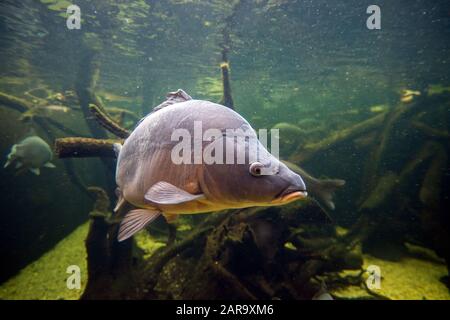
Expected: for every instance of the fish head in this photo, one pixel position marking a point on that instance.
(263, 182)
(12, 156)
(285, 186)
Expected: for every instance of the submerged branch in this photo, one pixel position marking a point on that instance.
(122, 113)
(22, 106)
(168, 253)
(431, 132)
(85, 88)
(233, 281)
(15, 103)
(307, 151)
(227, 98)
(77, 147)
(376, 153)
(109, 124)
(383, 121)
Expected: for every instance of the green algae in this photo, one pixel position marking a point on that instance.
(45, 278)
(56, 5)
(147, 243)
(414, 277)
(410, 278)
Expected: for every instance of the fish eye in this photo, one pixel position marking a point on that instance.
(255, 169)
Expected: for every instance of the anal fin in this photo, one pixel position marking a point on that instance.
(134, 221)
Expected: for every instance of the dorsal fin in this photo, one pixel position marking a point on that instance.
(173, 97)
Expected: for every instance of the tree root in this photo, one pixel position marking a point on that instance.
(77, 147)
(105, 120)
(431, 132)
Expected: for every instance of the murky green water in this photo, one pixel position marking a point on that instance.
(370, 107)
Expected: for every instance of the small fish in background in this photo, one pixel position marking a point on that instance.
(322, 190)
(32, 153)
(408, 95)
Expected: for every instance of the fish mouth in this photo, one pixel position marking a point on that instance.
(290, 194)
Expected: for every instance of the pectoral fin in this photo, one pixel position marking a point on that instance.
(166, 193)
(49, 165)
(36, 171)
(134, 221)
(7, 164)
